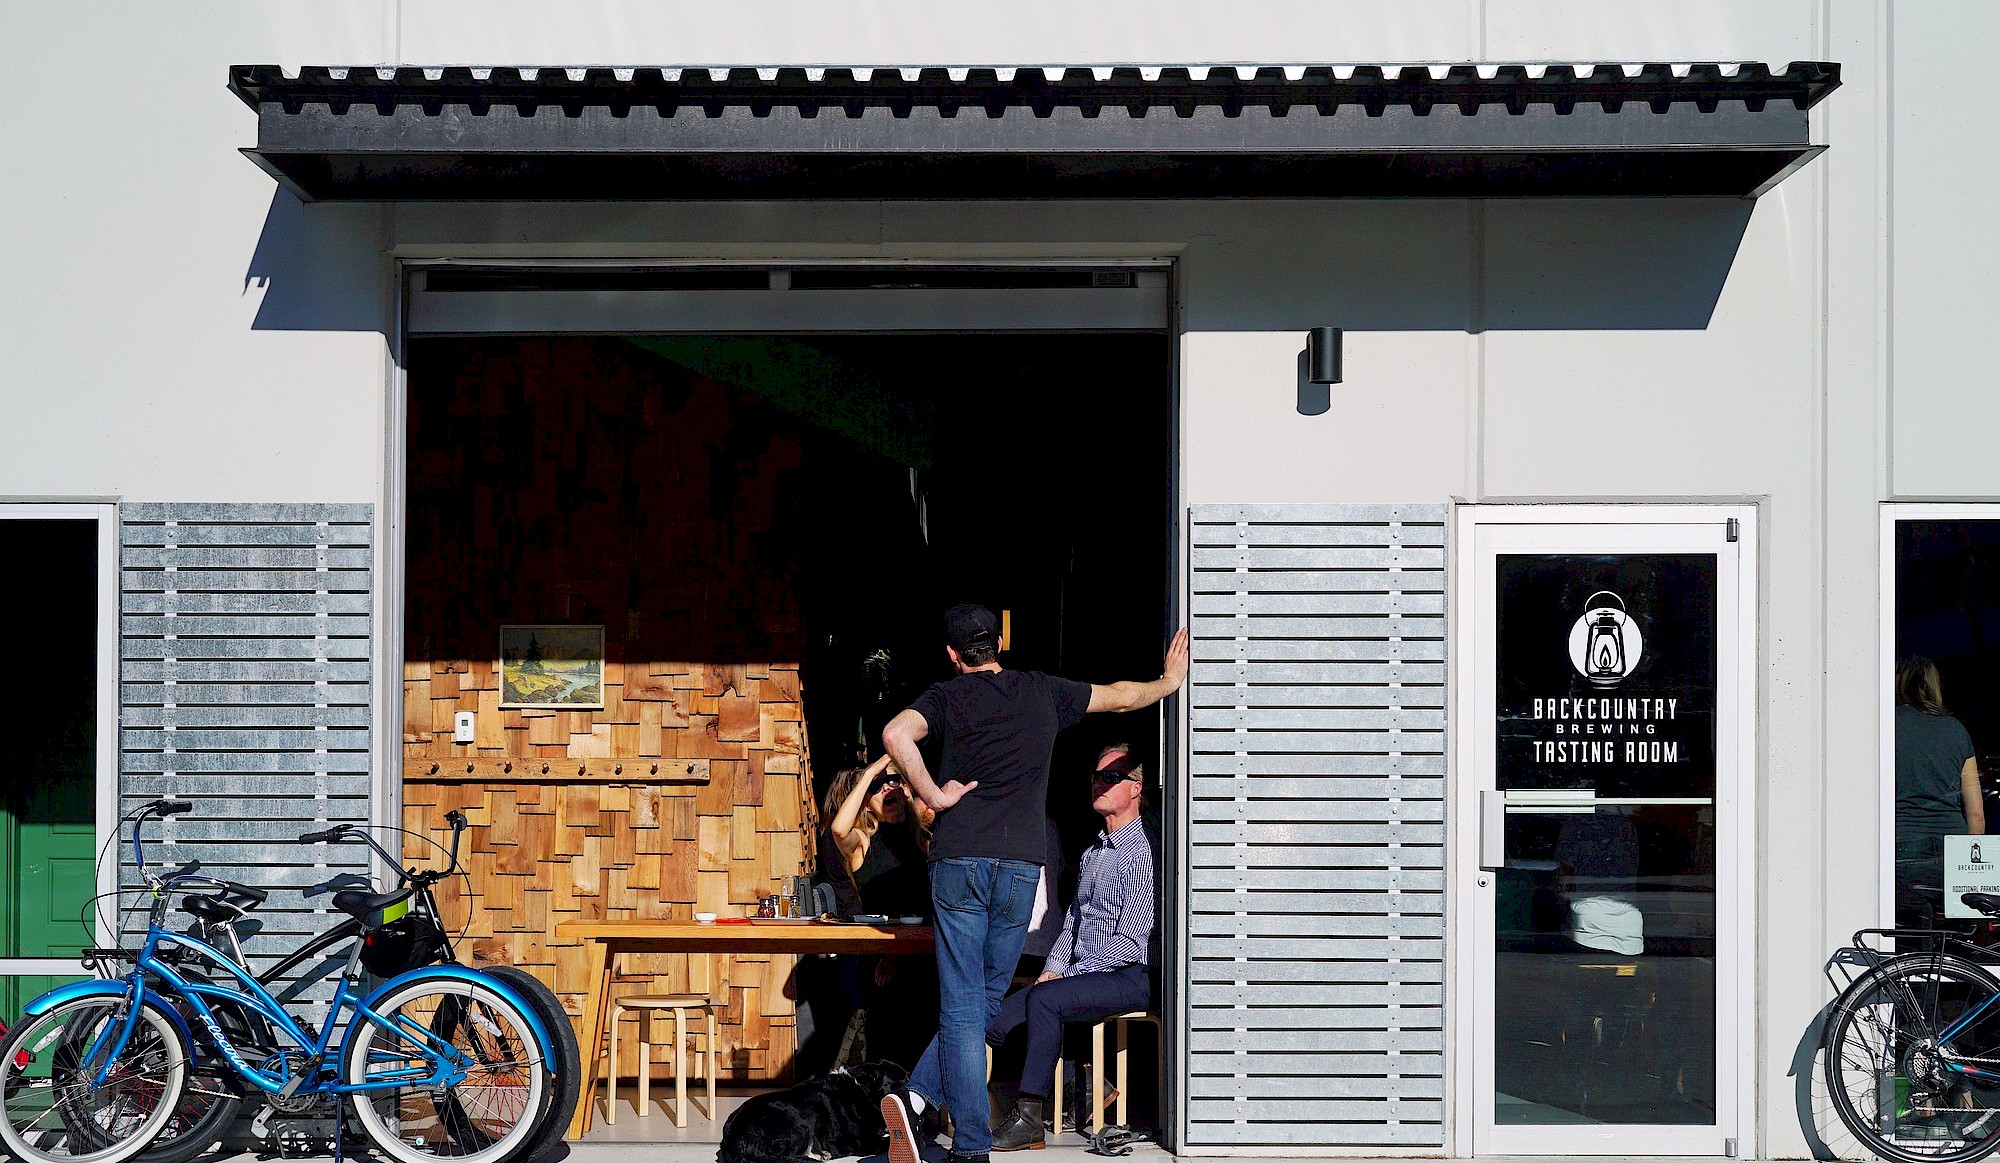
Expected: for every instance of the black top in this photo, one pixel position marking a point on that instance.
(1931, 751)
(998, 728)
(892, 880)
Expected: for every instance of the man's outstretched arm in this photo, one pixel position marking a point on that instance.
(1133, 696)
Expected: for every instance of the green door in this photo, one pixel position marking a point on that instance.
(48, 810)
(48, 833)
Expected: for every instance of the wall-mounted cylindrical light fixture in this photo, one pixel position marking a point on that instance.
(1323, 355)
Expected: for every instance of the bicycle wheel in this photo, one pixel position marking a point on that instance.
(483, 1119)
(1911, 1049)
(52, 1109)
(212, 1098)
(566, 1071)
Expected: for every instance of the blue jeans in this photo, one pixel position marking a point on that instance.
(982, 911)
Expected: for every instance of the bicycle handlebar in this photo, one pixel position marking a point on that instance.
(458, 824)
(353, 832)
(169, 805)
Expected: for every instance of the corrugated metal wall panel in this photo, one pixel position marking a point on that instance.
(245, 686)
(1316, 867)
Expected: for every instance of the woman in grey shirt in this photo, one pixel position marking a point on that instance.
(1937, 791)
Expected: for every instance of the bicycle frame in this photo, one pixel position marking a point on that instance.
(349, 929)
(448, 1065)
(1966, 1019)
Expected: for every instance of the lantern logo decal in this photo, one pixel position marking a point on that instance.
(1605, 643)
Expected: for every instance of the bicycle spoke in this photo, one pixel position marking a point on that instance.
(482, 1117)
(52, 1107)
(1894, 1074)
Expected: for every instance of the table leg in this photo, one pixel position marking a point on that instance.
(595, 1002)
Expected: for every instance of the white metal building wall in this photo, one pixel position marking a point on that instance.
(244, 686)
(1315, 932)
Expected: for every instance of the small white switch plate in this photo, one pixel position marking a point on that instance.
(463, 727)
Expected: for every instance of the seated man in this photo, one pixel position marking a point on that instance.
(1098, 966)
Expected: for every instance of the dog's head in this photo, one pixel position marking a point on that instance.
(880, 1079)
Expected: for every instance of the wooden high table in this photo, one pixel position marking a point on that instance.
(605, 940)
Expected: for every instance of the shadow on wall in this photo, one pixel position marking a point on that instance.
(1549, 264)
(321, 267)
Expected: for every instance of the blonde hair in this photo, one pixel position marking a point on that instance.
(1917, 685)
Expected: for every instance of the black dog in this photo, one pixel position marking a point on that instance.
(833, 1117)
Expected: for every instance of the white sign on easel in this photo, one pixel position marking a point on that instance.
(1971, 864)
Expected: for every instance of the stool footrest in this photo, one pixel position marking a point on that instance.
(1099, 1098)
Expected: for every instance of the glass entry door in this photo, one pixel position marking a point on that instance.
(1601, 735)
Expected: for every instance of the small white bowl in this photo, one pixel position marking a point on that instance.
(704, 918)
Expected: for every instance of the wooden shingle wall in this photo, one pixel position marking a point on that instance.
(1315, 981)
(244, 682)
(587, 481)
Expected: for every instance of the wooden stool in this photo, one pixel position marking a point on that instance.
(652, 1007)
(1097, 1070)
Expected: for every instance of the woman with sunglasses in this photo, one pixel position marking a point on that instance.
(874, 845)
(872, 853)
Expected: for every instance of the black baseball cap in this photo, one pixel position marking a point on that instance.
(967, 626)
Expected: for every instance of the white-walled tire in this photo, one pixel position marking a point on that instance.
(52, 1110)
(486, 1118)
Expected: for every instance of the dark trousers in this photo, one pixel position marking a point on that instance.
(1043, 1008)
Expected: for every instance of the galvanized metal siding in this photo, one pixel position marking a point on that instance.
(245, 678)
(1316, 858)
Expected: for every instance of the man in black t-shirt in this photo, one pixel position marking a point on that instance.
(997, 729)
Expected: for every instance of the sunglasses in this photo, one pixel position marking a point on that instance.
(885, 781)
(1115, 776)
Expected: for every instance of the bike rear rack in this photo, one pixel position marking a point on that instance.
(1867, 944)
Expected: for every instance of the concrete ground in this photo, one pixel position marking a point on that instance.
(1068, 1150)
(623, 1140)
(655, 1139)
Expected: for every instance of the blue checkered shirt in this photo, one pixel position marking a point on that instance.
(1110, 923)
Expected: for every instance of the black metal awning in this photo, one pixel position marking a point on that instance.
(1125, 132)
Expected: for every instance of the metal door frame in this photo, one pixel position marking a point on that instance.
(1629, 528)
(106, 516)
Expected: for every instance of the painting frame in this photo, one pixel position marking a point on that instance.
(527, 683)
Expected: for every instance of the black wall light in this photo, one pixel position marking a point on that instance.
(1319, 366)
(1323, 355)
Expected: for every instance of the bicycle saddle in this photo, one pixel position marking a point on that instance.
(233, 904)
(359, 905)
(1982, 902)
(215, 912)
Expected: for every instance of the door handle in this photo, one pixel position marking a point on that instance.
(1492, 830)
(1493, 807)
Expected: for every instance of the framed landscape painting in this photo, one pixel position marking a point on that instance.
(552, 667)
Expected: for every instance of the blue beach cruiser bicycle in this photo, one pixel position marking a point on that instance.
(441, 1062)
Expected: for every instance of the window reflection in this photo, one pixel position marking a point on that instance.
(1607, 921)
(1945, 722)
